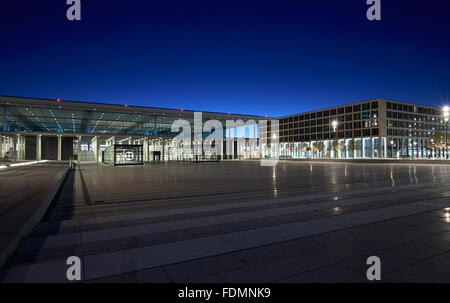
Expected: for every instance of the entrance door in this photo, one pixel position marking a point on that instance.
(156, 156)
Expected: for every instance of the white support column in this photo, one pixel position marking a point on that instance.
(95, 147)
(38, 147)
(372, 149)
(163, 148)
(363, 148)
(19, 147)
(145, 149)
(59, 147)
(23, 147)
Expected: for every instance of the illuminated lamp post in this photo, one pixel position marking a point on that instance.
(393, 149)
(446, 111)
(334, 123)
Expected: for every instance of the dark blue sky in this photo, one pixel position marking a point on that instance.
(257, 57)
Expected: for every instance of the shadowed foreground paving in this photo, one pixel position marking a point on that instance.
(25, 194)
(240, 222)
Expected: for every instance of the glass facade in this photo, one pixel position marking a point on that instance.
(376, 128)
(93, 127)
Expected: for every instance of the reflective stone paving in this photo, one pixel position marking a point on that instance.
(240, 222)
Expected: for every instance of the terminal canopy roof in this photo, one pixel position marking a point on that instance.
(31, 115)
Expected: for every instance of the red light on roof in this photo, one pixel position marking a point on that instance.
(181, 110)
(126, 105)
(229, 114)
(58, 100)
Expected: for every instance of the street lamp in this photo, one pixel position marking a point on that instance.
(392, 148)
(334, 123)
(446, 111)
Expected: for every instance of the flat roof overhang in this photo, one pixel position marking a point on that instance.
(126, 109)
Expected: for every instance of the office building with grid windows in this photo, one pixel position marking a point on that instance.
(377, 128)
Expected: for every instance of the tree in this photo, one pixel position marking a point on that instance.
(436, 142)
(318, 147)
(335, 146)
(303, 147)
(353, 146)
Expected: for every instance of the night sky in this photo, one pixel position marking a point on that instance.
(255, 57)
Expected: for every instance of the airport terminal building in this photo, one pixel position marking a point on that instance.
(48, 129)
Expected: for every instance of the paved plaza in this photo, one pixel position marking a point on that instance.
(236, 221)
(25, 194)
